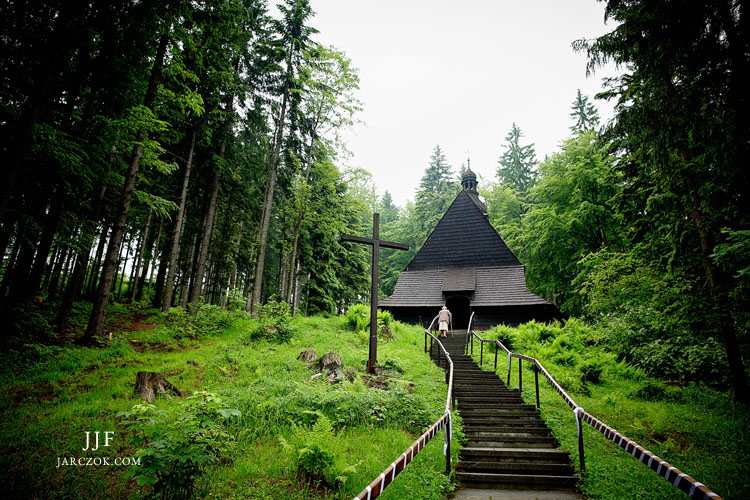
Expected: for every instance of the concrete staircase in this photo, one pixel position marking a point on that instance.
(509, 445)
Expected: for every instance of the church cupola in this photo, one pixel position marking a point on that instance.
(469, 180)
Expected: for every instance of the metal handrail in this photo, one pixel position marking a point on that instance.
(679, 479)
(376, 487)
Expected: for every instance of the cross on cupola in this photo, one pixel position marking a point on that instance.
(469, 179)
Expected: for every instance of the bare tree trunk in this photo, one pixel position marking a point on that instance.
(95, 326)
(155, 256)
(94, 277)
(174, 252)
(297, 290)
(54, 281)
(300, 218)
(717, 282)
(233, 276)
(187, 275)
(205, 242)
(125, 266)
(268, 204)
(142, 247)
(66, 268)
(49, 269)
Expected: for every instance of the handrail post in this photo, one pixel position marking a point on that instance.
(438, 351)
(510, 359)
(520, 384)
(430, 346)
(495, 357)
(481, 353)
(581, 458)
(472, 344)
(536, 383)
(448, 448)
(425, 341)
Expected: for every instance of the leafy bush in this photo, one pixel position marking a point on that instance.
(348, 404)
(357, 317)
(650, 391)
(26, 322)
(504, 334)
(591, 370)
(235, 300)
(178, 445)
(630, 372)
(315, 451)
(209, 321)
(385, 323)
(274, 322)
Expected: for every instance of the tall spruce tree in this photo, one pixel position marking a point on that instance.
(517, 164)
(584, 114)
(681, 125)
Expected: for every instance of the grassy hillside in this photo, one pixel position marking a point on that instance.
(52, 395)
(695, 427)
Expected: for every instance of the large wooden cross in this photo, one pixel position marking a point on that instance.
(376, 243)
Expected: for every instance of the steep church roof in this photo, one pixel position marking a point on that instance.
(463, 238)
(464, 255)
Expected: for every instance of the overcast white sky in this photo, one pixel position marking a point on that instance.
(457, 74)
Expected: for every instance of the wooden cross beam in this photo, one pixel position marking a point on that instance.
(376, 243)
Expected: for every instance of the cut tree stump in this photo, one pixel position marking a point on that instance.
(147, 384)
(308, 356)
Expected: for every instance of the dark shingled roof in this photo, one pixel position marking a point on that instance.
(463, 238)
(494, 286)
(460, 280)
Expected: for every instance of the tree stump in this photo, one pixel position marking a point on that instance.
(147, 384)
(308, 356)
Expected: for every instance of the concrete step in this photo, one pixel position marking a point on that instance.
(517, 467)
(534, 426)
(525, 455)
(512, 443)
(494, 397)
(506, 493)
(482, 479)
(500, 410)
(515, 421)
(507, 432)
(489, 404)
(512, 411)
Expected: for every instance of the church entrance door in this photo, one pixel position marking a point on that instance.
(460, 307)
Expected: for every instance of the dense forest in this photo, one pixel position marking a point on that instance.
(179, 153)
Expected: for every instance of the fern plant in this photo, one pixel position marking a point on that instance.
(315, 452)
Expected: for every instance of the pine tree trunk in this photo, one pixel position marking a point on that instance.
(174, 252)
(233, 276)
(142, 247)
(205, 242)
(66, 268)
(56, 251)
(148, 259)
(125, 266)
(161, 273)
(94, 276)
(95, 326)
(268, 204)
(45, 244)
(54, 281)
(717, 282)
(187, 275)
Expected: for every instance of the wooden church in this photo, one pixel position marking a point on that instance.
(466, 266)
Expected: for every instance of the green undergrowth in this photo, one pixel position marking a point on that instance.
(259, 428)
(696, 428)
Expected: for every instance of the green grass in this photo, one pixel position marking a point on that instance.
(696, 428)
(51, 396)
